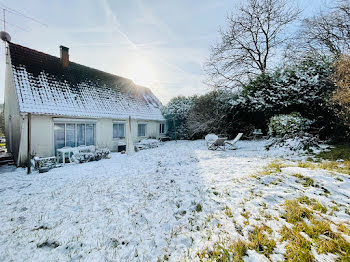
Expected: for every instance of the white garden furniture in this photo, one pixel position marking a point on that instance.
(214, 142)
(65, 152)
(231, 144)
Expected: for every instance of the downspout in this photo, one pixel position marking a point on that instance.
(29, 143)
(20, 144)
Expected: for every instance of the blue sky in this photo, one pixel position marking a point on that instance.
(161, 44)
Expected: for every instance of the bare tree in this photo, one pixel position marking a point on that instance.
(256, 31)
(327, 32)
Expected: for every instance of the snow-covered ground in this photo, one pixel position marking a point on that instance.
(157, 203)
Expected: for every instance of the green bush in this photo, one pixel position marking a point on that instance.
(288, 125)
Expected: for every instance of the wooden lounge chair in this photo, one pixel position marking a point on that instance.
(217, 144)
(231, 144)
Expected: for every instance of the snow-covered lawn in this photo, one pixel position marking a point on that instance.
(175, 202)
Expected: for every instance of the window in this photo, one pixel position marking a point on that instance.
(59, 135)
(118, 130)
(74, 134)
(141, 130)
(80, 134)
(90, 134)
(70, 135)
(161, 128)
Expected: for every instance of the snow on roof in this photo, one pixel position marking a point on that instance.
(44, 86)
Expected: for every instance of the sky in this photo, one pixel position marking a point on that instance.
(161, 44)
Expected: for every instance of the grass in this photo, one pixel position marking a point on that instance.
(306, 165)
(297, 248)
(341, 167)
(225, 251)
(305, 181)
(344, 229)
(260, 242)
(315, 228)
(335, 208)
(198, 207)
(319, 231)
(309, 228)
(228, 212)
(325, 240)
(294, 212)
(312, 203)
(339, 151)
(331, 165)
(274, 167)
(246, 215)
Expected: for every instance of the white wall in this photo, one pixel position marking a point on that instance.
(152, 129)
(104, 132)
(11, 112)
(42, 135)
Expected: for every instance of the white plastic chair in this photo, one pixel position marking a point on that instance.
(231, 144)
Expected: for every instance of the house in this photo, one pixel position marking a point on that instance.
(68, 104)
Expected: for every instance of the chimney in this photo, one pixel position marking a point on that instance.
(64, 56)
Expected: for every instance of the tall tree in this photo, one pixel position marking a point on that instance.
(256, 31)
(328, 32)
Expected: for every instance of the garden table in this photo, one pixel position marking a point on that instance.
(63, 151)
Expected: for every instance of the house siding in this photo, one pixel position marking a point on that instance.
(11, 112)
(42, 135)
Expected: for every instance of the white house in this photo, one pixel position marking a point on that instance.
(71, 105)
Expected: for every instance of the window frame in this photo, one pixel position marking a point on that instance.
(162, 129)
(118, 123)
(145, 124)
(75, 122)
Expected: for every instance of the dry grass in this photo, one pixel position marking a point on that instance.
(307, 165)
(246, 215)
(318, 230)
(325, 240)
(225, 251)
(294, 212)
(345, 229)
(260, 242)
(297, 248)
(272, 168)
(228, 212)
(341, 167)
(313, 203)
(336, 166)
(305, 181)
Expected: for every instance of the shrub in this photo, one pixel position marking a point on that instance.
(176, 113)
(288, 125)
(342, 94)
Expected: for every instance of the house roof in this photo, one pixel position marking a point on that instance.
(44, 86)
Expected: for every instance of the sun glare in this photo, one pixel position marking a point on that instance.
(142, 72)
